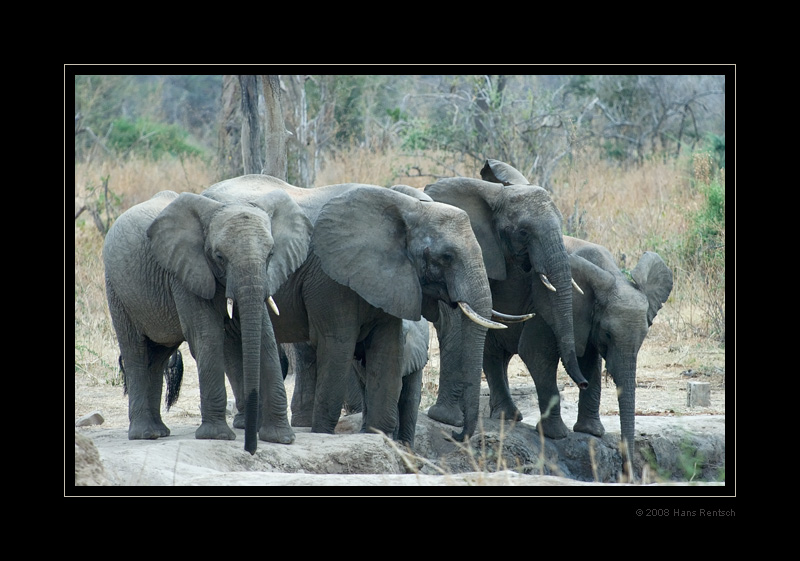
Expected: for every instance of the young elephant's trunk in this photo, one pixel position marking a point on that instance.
(622, 367)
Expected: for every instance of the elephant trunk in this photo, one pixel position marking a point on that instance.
(622, 367)
(250, 303)
(473, 337)
(559, 276)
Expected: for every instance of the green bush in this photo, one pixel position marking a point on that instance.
(702, 250)
(146, 138)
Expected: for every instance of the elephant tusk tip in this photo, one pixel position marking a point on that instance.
(273, 306)
(506, 318)
(546, 282)
(230, 308)
(477, 318)
(578, 288)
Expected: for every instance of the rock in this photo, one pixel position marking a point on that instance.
(670, 450)
(698, 394)
(93, 418)
(89, 470)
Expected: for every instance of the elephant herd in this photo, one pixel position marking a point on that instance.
(345, 278)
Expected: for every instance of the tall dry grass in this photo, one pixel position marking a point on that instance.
(646, 208)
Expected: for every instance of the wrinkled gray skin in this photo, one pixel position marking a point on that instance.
(611, 319)
(172, 263)
(415, 356)
(378, 257)
(519, 230)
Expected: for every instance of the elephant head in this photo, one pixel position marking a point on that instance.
(612, 318)
(519, 231)
(404, 255)
(250, 250)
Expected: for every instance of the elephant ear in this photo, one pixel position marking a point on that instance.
(500, 172)
(477, 198)
(654, 278)
(291, 230)
(411, 192)
(596, 283)
(360, 240)
(415, 348)
(177, 240)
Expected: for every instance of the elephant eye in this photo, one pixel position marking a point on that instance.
(523, 233)
(447, 259)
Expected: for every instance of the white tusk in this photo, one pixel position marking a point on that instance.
(506, 318)
(230, 308)
(273, 305)
(578, 288)
(547, 282)
(474, 316)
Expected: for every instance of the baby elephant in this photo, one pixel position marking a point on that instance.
(415, 357)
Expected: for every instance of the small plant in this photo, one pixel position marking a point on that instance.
(103, 204)
(87, 361)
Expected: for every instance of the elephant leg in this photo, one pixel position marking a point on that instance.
(303, 361)
(495, 366)
(539, 351)
(408, 408)
(208, 351)
(143, 370)
(589, 399)
(354, 390)
(384, 376)
(447, 408)
(334, 361)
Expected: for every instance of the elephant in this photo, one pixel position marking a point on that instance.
(377, 256)
(519, 229)
(416, 335)
(188, 268)
(611, 316)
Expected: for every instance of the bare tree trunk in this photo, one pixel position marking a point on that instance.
(229, 152)
(251, 132)
(275, 162)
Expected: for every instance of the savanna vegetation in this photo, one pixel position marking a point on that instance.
(635, 163)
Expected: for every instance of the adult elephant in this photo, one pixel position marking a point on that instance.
(378, 256)
(188, 268)
(611, 317)
(519, 230)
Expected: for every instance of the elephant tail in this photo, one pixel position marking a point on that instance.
(122, 373)
(173, 374)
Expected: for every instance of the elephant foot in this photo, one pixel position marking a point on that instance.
(280, 433)
(448, 414)
(553, 427)
(589, 426)
(507, 411)
(301, 420)
(238, 421)
(147, 430)
(324, 428)
(214, 431)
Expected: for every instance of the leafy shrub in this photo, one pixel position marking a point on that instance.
(146, 138)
